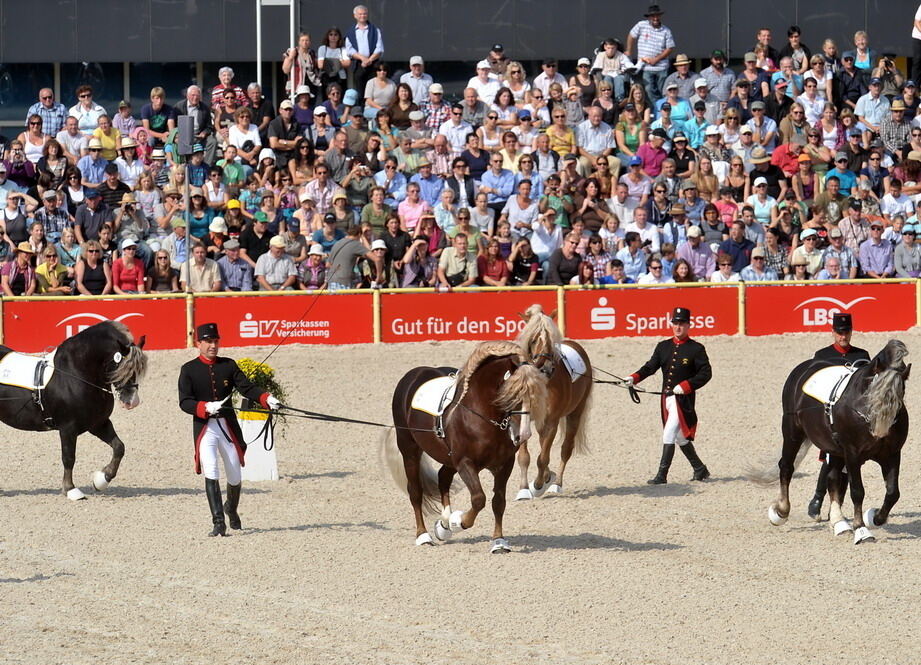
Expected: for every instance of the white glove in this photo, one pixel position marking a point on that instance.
(211, 408)
(678, 390)
(629, 381)
(273, 403)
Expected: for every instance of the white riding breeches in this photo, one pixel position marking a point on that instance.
(671, 433)
(215, 443)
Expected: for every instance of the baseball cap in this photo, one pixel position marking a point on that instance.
(701, 82)
(875, 81)
(750, 57)
(329, 218)
(233, 204)
(277, 241)
(679, 136)
(636, 160)
(718, 53)
(671, 86)
(482, 64)
(756, 252)
(320, 110)
(569, 157)
(835, 233)
(350, 97)
(123, 104)
(91, 194)
(700, 106)
(757, 105)
(854, 132)
(807, 233)
(909, 84)
(436, 88)
(688, 184)
(840, 155)
(498, 48)
(286, 104)
(305, 196)
(416, 115)
(524, 114)
(744, 129)
(128, 242)
(178, 223)
(780, 83)
(760, 181)
(416, 60)
(694, 232)
(50, 194)
(711, 130)
(666, 106)
(661, 133)
(357, 110)
(233, 243)
(584, 61)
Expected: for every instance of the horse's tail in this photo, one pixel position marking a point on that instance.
(767, 473)
(526, 385)
(580, 443)
(428, 476)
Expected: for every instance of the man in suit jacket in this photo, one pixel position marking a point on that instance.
(194, 106)
(462, 184)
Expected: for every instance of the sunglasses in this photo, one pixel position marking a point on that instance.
(655, 267)
(725, 264)
(47, 97)
(84, 96)
(492, 117)
(39, 123)
(92, 251)
(559, 116)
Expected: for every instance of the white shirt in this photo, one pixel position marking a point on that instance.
(72, 144)
(419, 85)
(361, 36)
(649, 278)
(485, 91)
(650, 233)
(915, 33)
(456, 133)
(542, 82)
(237, 138)
(544, 243)
(890, 206)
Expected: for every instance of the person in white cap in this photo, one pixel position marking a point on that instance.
(416, 78)
(275, 270)
(437, 111)
(808, 251)
(702, 94)
(127, 270)
(485, 83)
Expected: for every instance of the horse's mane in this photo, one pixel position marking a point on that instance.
(481, 352)
(540, 335)
(886, 393)
(133, 364)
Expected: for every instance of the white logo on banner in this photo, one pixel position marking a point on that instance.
(602, 317)
(278, 329)
(72, 324)
(821, 316)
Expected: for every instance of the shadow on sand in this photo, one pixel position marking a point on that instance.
(325, 474)
(38, 577)
(345, 526)
(584, 541)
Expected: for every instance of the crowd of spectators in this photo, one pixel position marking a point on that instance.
(634, 168)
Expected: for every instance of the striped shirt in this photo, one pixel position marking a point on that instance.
(650, 42)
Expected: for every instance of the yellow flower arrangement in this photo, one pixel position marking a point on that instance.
(262, 375)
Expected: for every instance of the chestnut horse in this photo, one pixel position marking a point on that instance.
(868, 421)
(496, 396)
(568, 401)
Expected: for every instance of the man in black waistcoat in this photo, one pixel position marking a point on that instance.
(685, 370)
(839, 352)
(206, 385)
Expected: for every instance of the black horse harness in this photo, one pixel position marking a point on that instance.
(40, 368)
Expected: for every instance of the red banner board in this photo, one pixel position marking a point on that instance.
(774, 310)
(36, 325)
(484, 315)
(298, 319)
(598, 313)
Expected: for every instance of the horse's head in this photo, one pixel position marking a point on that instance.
(125, 362)
(539, 337)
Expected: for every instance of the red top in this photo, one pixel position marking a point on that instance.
(496, 271)
(128, 279)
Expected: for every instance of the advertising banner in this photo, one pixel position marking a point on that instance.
(485, 315)
(299, 319)
(34, 326)
(599, 313)
(774, 310)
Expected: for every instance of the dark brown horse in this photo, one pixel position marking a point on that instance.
(569, 393)
(497, 394)
(868, 422)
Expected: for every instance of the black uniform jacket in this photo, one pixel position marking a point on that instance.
(201, 381)
(841, 356)
(683, 363)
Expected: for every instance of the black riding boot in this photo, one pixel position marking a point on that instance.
(668, 453)
(821, 487)
(230, 507)
(213, 490)
(701, 472)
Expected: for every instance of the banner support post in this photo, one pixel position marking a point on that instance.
(917, 303)
(561, 310)
(376, 308)
(741, 308)
(189, 320)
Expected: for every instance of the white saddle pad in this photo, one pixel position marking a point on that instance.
(828, 379)
(18, 369)
(572, 361)
(434, 395)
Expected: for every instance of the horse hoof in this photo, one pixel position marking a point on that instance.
(555, 488)
(842, 527)
(75, 494)
(442, 533)
(537, 493)
(424, 539)
(869, 517)
(99, 481)
(500, 546)
(863, 535)
(454, 522)
(524, 495)
(775, 517)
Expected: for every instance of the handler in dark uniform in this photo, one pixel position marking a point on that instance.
(205, 387)
(685, 370)
(839, 352)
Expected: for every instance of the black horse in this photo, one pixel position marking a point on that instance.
(868, 422)
(90, 368)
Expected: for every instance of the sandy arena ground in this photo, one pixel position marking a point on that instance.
(326, 572)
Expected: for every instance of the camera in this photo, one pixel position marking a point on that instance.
(647, 242)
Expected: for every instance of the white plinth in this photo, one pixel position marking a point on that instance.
(261, 464)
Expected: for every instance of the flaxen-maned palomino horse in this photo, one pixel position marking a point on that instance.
(475, 425)
(568, 371)
(867, 421)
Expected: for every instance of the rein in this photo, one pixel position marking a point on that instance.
(621, 382)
